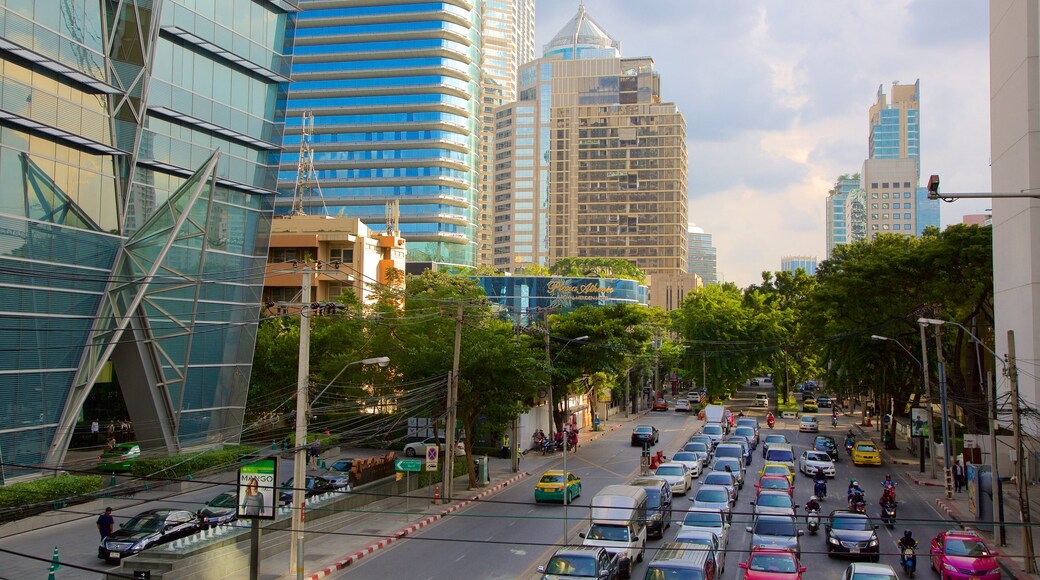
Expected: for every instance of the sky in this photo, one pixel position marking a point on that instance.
(776, 96)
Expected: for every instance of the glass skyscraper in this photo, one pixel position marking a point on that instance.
(138, 150)
(395, 91)
(837, 211)
(794, 263)
(703, 258)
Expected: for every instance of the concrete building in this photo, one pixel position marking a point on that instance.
(138, 143)
(794, 263)
(668, 290)
(891, 191)
(590, 162)
(977, 219)
(702, 257)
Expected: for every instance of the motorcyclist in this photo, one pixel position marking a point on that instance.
(770, 419)
(812, 504)
(907, 541)
(888, 483)
(854, 486)
(888, 497)
(820, 482)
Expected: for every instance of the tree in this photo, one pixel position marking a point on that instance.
(597, 268)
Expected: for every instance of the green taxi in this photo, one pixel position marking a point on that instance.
(551, 486)
(119, 458)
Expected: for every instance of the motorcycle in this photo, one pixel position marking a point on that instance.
(771, 421)
(812, 521)
(848, 446)
(820, 490)
(550, 446)
(834, 421)
(858, 505)
(908, 560)
(888, 514)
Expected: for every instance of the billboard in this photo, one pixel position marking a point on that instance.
(256, 489)
(919, 422)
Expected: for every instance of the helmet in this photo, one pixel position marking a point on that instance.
(888, 476)
(813, 498)
(908, 534)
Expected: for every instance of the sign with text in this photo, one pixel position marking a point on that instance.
(918, 422)
(256, 489)
(408, 465)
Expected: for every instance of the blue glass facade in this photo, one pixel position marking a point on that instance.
(837, 211)
(130, 252)
(794, 263)
(395, 92)
(521, 296)
(927, 211)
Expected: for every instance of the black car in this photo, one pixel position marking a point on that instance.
(316, 485)
(147, 529)
(645, 435)
(851, 534)
(658, 504)
(826, 444)
(220, 510)
(583, 562)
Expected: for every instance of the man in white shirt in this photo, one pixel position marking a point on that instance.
(95, 430)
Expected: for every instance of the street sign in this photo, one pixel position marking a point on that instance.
(432, 454)
(408, 465)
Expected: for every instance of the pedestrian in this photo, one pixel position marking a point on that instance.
(95, 432)
(959, 480)
(124, 431)
(111, 429)
(105, 523)
(315, 450)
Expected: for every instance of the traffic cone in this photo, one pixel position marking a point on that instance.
(112, 482)
(55, 561)
(436, 494)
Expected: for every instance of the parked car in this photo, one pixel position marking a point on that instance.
(962, 555)
(119, 458)
(865, 571)
(645, 435)
(418, 448)
(755, 382)
(772, 564)
(315, 485)
(659, 405)
(658, 503)
(219, 510)
(865, 453)
(677, 475)
(342, 466)
(582, 562)
(775, 531)
(771, 439)
(810, 461)
(808, 424)
(761, 400)
(774, 502)
(691, 460)
(714, 496)
(695, 397)
(683, 406)
(851, 534)
(146, 529)
(551, 486)
(826, 444)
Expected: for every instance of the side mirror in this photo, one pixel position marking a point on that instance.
(748, 529)
(802, 570)
(743, 565)
(801, 532)
(540, 569)
(581, 535)
(751, 502)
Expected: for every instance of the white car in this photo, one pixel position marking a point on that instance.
(714, 496)
(677, 475)
(810, 461)
(682, 406)
(694, 397)
(808, 425)
(865, 571)
(707, 540)
(706, 520)
(761, 400)
(692, 461)
(418, 448)
(774, 502)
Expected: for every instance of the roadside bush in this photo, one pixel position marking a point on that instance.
(191, 463)
(427, 478)
(48, 489)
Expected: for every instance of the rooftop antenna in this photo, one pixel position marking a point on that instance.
(393, 217)
(306, 176)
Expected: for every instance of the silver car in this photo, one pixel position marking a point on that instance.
(714, 496)
(724, 478)
(706, 540)
(774, 502)
(735, 465)
(706, 520)
(769, 531)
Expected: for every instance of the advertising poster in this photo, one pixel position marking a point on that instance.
(918, 422)
(256, 489)
(973, 488)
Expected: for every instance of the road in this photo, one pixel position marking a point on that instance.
(508, 535)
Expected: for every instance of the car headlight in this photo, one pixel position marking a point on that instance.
(948, 567)
(834, 541)
(873, 542)
(138, 546)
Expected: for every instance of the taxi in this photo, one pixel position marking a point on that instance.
(809, 405)
(963, 555)
(778, 469)
(551, 488)
(865, 453)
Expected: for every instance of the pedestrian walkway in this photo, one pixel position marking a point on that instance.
(956, 509)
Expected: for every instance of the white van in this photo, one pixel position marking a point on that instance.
(714, 414)
(619, 522)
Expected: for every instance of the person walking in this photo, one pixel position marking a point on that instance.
(105, 523)
(111, 429)
(124, 431)
(315, 451)
(95, 432)
(959, 479)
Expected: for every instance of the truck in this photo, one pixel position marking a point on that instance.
(619, 518)
(714, 414)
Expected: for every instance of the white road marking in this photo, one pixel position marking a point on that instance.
(460, 557)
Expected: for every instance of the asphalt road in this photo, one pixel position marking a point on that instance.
(508, 535)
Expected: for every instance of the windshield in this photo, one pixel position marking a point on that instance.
(547, 478)
(728, 451)
(747, 422)
(774, 500)
(819, 457)
(773, 483)
(653, 497)
(608, 533)
(696, 447)
(808, 419)
(872, 576)
(572, 566)
(722, 464)
(713, 495)
(775, 528)
(718, 479)
(773, 563)
(776, 470)
(779, 455)
(144, 523)
(644, 430)
(685, 456)
(669, 470)
(970, 548)
(664, 571)
(850, 523)
(713, 430)
(776, 439)
(824, 443)
(745, 431)
(866, 448)
(703, 519)
(224, 500)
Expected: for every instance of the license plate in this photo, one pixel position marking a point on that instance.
(113, 555)
(854, 550)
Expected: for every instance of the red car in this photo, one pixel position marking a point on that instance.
(775, 482)
(962, 555)
(772, 564)
(660, 405)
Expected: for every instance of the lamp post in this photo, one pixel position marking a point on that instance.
(924, 374)
(552, 420)
(303, 409)
(941, 364)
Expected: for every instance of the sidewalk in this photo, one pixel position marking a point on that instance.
(956, 509)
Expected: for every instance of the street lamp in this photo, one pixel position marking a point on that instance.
(924, 374)
(303, 410)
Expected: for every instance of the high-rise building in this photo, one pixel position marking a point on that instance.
(138, 152)
(702, 257)
(590, 162)
(837, 208)
(794, 263)
(395, 90)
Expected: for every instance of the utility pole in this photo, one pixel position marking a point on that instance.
(995, 479)
(548, 363)
(449, 429)
(947, 443)
(927, 441)
(704, 371)
(1020, 477)
(657, 369)
(300, 455)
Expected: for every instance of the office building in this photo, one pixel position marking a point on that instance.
(702, 258)
(893, 166)
(977, 219)
(138, 151)
(395, 92)
(668, 290)
(794, 263)
(590, 162)
(837, 209)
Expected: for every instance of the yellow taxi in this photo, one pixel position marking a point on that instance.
(551, 486)
(809, 405)
(778, 469)
(865, 453)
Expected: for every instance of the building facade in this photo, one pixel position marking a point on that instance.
(524, 299)
(702, 257)
(794, 263)
(138, 151)
(837, 209)
(590, 162)
(668, 290)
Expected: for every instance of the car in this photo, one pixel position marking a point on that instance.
(750, 422)
(775, 531)
(761, 400)
(736, 467)
(774, 502)
(865, 453)
(695, 397)
(810, 461)
(418, 448)
(772, 439)
(706, 520)
(222, 509)
(714, 496)
(339, 481)
(703, 451)
(551, 487)
(315, 485)
(342, 466)
(743, 442)
(702, 438)
(963, 555)
(767, 380)
(808, 425)
(865, 571)
(778, 469)
(749, 433)
(658, 504)
(659, 405)
(683, 406)
(775, 483)
(691, 460)
(582, 562)
(119, 458)
(755, 382)
(677, 475)
(645, 435)
(731, 449)
(851, 534)
(823, 401)
(146, 529)
(704, 540)
(772, 564)
(809, 405)
(826, 444)
(725, 479)
(715, 431)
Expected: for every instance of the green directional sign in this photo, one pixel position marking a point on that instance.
(408, 464)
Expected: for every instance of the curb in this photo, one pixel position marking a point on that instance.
(918, 481)
(341, 564)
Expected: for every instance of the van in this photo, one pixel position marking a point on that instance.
(619, 515)
(714, 414)
(675, 561)
(780, 453)
(658, 503)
